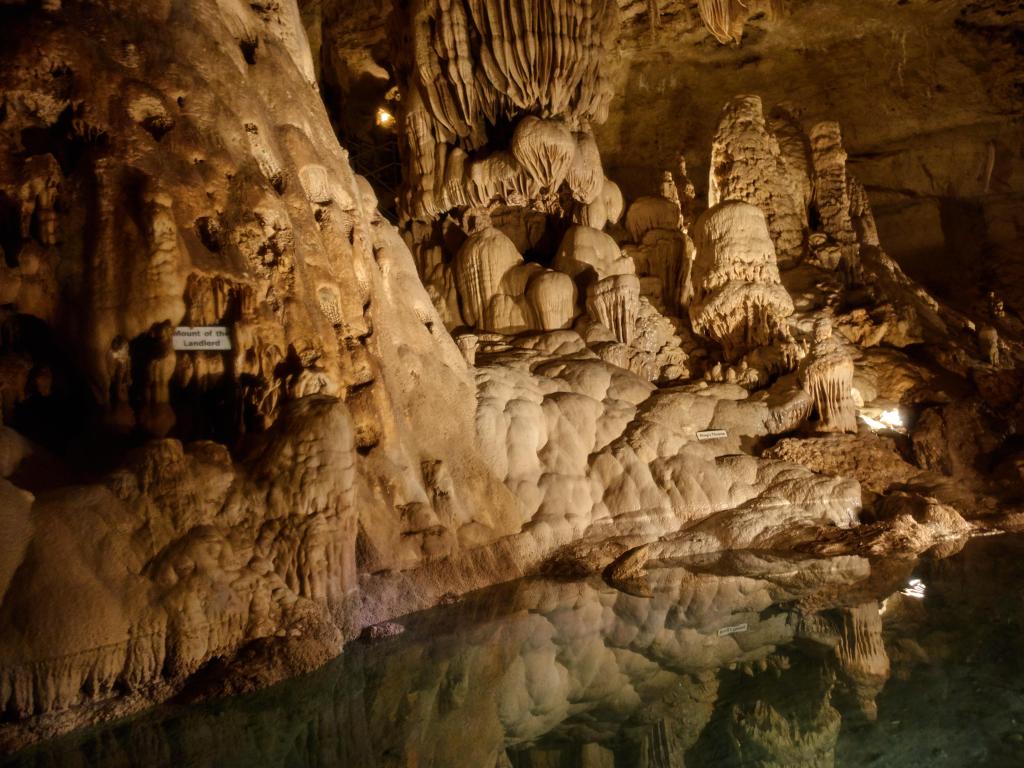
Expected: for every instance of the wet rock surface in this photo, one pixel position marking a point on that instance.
(742, 659)
(254, 402)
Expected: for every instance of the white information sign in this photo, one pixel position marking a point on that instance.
(732, 630)
(712, 434)
(201, 338)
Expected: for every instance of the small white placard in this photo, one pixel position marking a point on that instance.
(732, 630)
(712, 434)
(201, 338)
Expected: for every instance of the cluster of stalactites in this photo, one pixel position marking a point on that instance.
(827, 376)
(725, 19)
(480, 63)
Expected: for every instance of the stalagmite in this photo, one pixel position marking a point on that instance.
(647, 213)
(662, 255)
(480, 267)
(860, 213)
(832, 191)
(747, 164)
(468, 344)
(796, 150)
(738, 298)
(39, 195)
(552, 297)
(247, 415)
(588, 251)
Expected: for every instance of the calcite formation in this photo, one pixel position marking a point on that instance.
(738, 298)
(535, 64)
(182, 550)
(832, 198)
(827, 375)
(586, 253)
(481, 266)
(547, 150)
(553, 298)
(525, 705)
(747, 164)
(614, 302)
(725, 19)
(246, 416)
(605, 209)
(647, 213)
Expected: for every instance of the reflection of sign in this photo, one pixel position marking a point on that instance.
(732, 630)
(201, 337)
(712, 434)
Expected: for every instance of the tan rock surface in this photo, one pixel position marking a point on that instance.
(176, 519)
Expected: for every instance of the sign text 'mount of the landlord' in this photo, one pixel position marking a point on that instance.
(201, 338)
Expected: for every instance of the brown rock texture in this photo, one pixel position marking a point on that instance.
(249, 409)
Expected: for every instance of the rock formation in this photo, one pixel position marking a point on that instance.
(738, 297)
(246, 416)
(747, 164)
(832, 192)
(827, 376)
(470, 65)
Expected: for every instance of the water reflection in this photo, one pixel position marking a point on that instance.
(744, 660)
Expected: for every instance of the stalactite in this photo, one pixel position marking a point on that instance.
(654, 17)
(479, 62)
(827, 376)
(614, 302)
(719, 19)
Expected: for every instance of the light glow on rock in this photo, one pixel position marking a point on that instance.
(915, 588)
(892, 419)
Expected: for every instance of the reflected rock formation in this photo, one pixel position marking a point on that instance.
(543, 672)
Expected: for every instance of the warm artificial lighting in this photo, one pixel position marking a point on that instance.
(887, 420)
(874, 424)
(915, 588)
(384, 118)
(892, 419)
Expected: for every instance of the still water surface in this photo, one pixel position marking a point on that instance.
(745, 660)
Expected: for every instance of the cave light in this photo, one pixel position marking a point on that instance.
(915, 588)
(891, 419)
